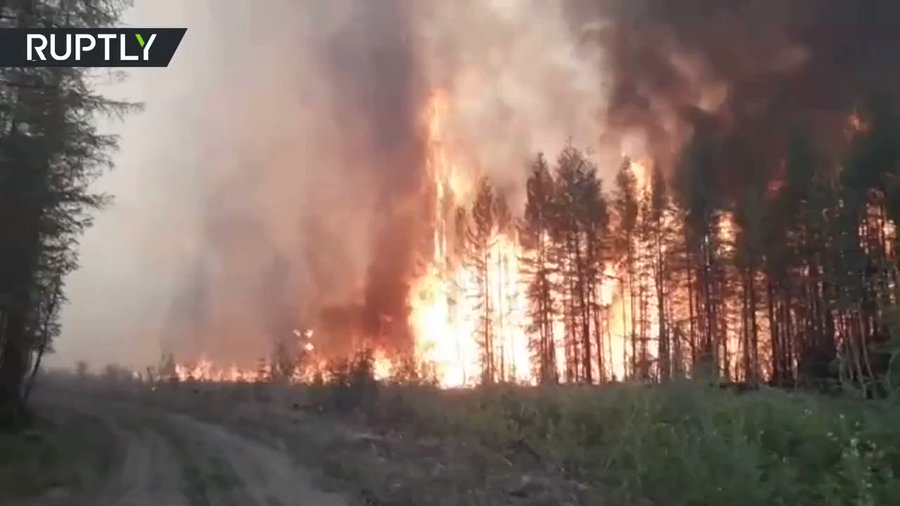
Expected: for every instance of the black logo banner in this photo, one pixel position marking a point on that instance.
(88, 47)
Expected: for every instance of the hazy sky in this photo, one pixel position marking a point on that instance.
(277, 167)
(122, 292)
(255, 182)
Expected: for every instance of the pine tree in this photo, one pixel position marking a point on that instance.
(625, 203)
(539, 270)
(579, 228)
(50, 151)
(748, 259)
(480, 234)
(699, 195)
(662, 237)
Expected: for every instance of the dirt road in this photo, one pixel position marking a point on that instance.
(157, 458)
(247, 445)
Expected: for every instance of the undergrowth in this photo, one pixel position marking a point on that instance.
(350, 384)
(681, 443)
(50, 456)
(675, 444)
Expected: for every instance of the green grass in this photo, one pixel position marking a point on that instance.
(51, 456)
(26, 462)
(682, 443)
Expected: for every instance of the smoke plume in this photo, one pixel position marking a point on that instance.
(283, 187)
(315, 214)
(748, 73)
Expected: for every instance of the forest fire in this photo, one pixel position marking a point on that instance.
(615, 303)
(448, 321)
(469, 304)
(465, 306)
(205, 370)
(420, 251)
(709, 241)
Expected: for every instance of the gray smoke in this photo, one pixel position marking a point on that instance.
(747, 72)
(276, 179)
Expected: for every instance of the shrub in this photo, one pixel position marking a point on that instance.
(350, 383)
(682, 443)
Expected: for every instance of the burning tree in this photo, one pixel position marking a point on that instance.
(480, 235)
(579, 229)
(541, 272)
(740, 226)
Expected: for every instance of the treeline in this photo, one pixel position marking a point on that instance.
(50, 150)
(789, 277)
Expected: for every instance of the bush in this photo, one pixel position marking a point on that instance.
(407, 371)
(350, 383)
(683, 443)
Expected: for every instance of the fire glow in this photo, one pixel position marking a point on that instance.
(445, 314)
(447, 320)
(469, 317)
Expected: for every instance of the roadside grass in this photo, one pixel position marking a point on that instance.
(681, 443)
(56, 458)
(677, 444)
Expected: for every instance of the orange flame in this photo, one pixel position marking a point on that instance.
(445, 316)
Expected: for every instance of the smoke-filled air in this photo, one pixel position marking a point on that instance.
(389, 176)
(306, 145)
(449, 252)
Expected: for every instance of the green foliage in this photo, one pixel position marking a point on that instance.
(349, 384)
(891, 348)
(684, 443)
(49, 456)
(50, 152)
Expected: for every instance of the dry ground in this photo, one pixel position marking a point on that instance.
(265, 445)
(145, 456)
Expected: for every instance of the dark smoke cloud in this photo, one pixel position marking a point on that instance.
(276, 178)
(375, 70)
(328, 162)
(747, 72)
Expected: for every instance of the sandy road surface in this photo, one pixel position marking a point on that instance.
(165, 459)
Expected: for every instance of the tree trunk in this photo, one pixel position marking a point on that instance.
(664, 359)
(754, 330)
(13, 368)
(34, 371)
